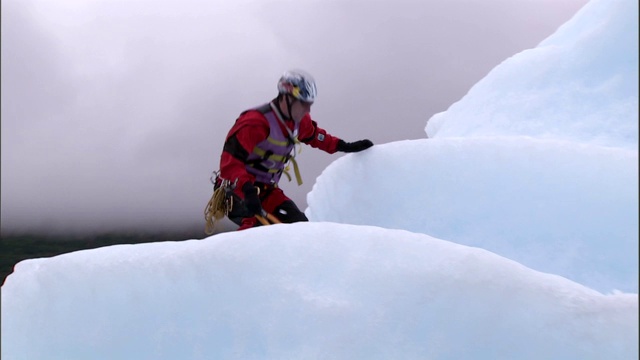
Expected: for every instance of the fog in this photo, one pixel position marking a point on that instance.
(114, 113)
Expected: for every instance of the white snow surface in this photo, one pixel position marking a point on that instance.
(564, 208)
(580, 84)
(510, 233)
(306, 291)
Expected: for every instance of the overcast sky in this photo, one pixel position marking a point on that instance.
(114, 112)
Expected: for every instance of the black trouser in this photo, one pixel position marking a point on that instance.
(287, 212)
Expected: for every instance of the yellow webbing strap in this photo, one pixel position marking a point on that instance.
(262, 153)
(296, 171)
(277, 142)
(286, 172)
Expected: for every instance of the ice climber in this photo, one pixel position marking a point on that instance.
(262, 143)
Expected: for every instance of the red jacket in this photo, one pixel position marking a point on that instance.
(252, 128)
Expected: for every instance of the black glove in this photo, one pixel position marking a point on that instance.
(251, 199)
(355, 146)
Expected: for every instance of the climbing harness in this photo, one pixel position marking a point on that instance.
(273, 156)
(293, 137)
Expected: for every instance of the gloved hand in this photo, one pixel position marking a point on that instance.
(355, 146)
(251, 199)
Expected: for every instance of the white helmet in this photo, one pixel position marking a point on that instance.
(298, 84)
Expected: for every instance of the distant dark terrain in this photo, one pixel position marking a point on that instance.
(15, 248)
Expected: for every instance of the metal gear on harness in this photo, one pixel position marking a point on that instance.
(221, 202)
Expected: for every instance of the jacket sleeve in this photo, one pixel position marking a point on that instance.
(315, 136)
(249, 130)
